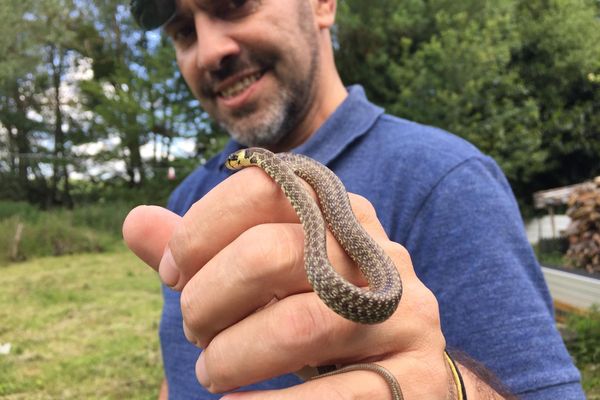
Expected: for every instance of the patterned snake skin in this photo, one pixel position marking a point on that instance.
(370, 306)
(366, 306)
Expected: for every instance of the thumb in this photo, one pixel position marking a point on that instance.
(147, 231)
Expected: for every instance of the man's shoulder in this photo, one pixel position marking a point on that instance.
(418, 147)
(413, 136)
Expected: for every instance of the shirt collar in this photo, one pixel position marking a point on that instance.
(351, 120)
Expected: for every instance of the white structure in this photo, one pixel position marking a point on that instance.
(546, 227)
(572, 289)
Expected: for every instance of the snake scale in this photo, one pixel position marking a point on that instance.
(365, 306)
(354, 303)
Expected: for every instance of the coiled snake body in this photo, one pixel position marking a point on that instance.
(366, 306)
(354, 303)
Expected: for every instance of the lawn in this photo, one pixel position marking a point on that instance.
(80, 327)
(85, 327)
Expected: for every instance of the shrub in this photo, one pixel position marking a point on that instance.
(584, 346)
(59, 232)
(553, 245)
(107, 217)
(21, 208)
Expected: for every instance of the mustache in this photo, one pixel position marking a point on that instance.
(230, 66)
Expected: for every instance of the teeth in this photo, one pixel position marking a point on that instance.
(240, 86)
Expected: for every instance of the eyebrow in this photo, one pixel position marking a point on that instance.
(172, 22)
(181, 14)
(203, 5)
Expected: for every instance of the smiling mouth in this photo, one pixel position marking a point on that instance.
(241, 85)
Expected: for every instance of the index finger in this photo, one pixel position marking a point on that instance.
(246, 199)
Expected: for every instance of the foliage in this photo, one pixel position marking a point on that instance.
(46, 302)
(559, 59)
(551, 251)
(52, 236)
(93, 228)
(590, 379)
(80, 327)
(20, 208)
(85, 95)
(516, 78)
(585, 345)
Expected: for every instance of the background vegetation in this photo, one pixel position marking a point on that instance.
(90, 104)
(520, 79)
(583, 342)
(94, 114)
(80, 327)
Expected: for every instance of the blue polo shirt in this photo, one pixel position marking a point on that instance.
(454, 211)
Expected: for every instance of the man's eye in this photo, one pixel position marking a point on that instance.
(235, 4)
(234, 8)
(183, 33)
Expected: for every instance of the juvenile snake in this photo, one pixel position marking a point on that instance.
(366, 306)
(370, 306)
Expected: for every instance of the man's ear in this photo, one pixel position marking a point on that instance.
(325, 12)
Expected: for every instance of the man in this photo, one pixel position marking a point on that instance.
(233, 247)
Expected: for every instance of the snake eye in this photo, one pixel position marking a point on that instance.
(232, 161)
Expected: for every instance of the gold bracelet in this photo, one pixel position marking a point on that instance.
(458, 380)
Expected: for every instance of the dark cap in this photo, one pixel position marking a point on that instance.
(151, 14)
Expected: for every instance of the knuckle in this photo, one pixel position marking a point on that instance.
(275, 247)
(218, 368)
(181, 244)
(423, 302)
(398, 252)
(362, 207)
(302, 324)
(259, 188)
(192, 319)
(191, 337)
(429, 303)
(425, 305)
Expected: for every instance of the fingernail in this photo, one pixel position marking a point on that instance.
(201, 373)
(167, 269)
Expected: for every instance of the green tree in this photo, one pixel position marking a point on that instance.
(559, 60)
(486, 71)
(38, 109)
(20, 56)
(145, 101)
(135, 95)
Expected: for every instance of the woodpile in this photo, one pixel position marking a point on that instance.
(584, 230)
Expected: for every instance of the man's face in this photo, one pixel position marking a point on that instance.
(251, 63)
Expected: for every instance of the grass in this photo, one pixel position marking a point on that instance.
(90, 228)
(583, 342)
(85, 327)
(81, 327)
(590, 375)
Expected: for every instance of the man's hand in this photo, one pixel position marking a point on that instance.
(237, 257)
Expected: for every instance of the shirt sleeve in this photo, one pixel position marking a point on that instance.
(469, 247)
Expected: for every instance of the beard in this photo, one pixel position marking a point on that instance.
(269, 123)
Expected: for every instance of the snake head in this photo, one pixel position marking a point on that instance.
(240, 159)
(233, 161)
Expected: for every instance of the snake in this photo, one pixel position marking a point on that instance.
(332, 210)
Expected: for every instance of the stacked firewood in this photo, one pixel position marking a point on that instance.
(584, 230)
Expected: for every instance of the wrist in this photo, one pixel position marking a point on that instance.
(456, 384)
(478, 381)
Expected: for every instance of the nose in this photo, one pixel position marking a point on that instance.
(214, 43)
